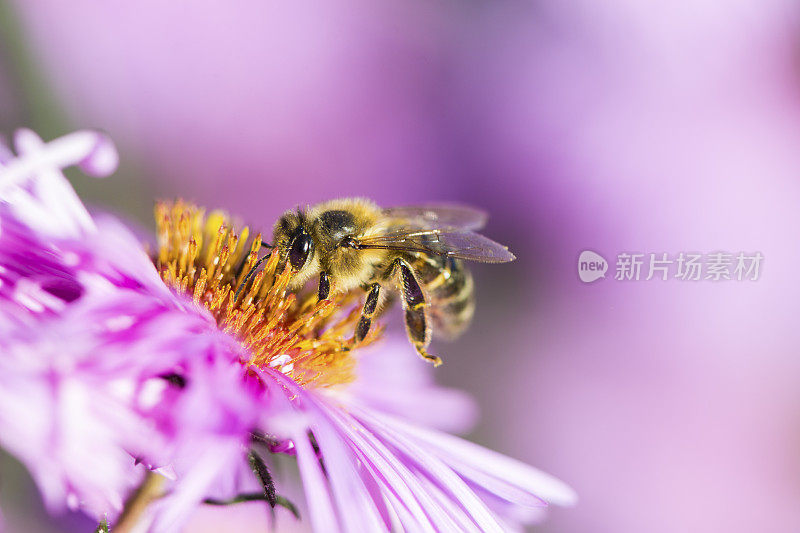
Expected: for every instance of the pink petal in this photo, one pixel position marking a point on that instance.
(318, 495)
(359, 511)
(385, 466)
(445, 478)
(483, 464)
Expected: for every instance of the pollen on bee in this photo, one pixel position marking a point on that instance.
(206, 258)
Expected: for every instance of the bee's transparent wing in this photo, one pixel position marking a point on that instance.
(432, 216)
(460, 244)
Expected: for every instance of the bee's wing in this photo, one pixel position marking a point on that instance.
(460, 244)
(451, 216)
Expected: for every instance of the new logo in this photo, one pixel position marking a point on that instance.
(591, 266)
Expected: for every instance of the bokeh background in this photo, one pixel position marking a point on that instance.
(611, 126)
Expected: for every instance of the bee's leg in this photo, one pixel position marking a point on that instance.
(417, 326)
(370, 306)
(248, 276)
(324, 289)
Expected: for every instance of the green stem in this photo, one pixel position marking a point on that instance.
(150, 490)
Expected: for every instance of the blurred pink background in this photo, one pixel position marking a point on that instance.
(669, 406)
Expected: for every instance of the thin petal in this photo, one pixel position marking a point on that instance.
(191, 489)
(385, 466)
(51, 204)
(286, 419)
(323, 517)
(459, 452)
(360, 512)
(393, 381)
(437, 470)
(461, 521)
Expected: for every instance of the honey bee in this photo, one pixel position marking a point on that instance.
(416, 251)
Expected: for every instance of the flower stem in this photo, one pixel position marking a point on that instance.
(151, 489)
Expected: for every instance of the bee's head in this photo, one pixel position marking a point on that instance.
(294, 241)
(316, 240)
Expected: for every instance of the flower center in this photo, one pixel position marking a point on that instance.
(205, 258)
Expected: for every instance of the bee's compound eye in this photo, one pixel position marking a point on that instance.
(298, 253)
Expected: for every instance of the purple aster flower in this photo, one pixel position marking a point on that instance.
(136, 388)
(90, 336)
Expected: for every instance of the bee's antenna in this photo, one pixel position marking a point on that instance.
(252, 272)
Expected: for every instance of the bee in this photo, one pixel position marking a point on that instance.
(416, 251)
